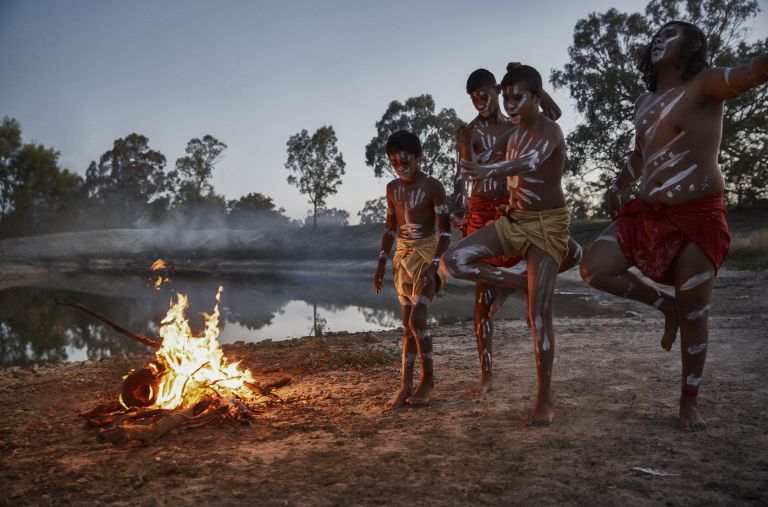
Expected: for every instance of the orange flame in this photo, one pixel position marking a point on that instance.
(192, 366)
(158, 265)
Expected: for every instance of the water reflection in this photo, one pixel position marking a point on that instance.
(33, 329)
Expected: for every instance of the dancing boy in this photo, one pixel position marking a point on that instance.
(675, 231)
(417, 215)
(535, 227)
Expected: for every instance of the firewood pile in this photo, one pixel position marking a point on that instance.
(189, 383)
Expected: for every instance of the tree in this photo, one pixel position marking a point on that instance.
(129, 182)
(603, 81)
(254, 209)
(374, 211)
(436, 132)
(317, 165)
(328, 217)
(196, 169)
(35, 193)
(10, 144)
(43, 195)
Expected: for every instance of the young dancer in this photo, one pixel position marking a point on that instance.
(675, 231)
(417, 215)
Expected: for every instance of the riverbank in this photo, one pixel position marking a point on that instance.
(614, 437)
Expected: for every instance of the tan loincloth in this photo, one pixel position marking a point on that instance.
(412, 257)
(546, 229)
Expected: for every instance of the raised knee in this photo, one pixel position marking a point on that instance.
(586, 272)
(450, 263)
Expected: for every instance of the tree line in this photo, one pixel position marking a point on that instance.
(129, 185)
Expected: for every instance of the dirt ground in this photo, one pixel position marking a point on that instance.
(328, 442)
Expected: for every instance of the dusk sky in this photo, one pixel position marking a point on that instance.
(79, 74)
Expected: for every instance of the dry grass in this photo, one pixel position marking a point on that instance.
(749, 251)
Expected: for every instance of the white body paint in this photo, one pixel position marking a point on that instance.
(693, 380)
(696, 349)
(678, 177)
(607, 238)
(696, 280)
(697, 314)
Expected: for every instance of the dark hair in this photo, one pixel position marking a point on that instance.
(523, 74)
(402, 140)
(479, 79)
(692, 59)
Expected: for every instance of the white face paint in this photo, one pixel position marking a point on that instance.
(659, 49)
(696, 280)
(696, 349)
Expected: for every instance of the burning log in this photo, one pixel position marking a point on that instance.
(117, 327)
(189, 383)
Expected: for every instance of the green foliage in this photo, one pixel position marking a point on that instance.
(374, 211)
(328, 217)
(316, 164)
(604, 82)
(254, 209)
(194, 171)
(36, 195)
(436, 132)
(129, 184)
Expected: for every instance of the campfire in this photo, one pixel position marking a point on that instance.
(189, 382)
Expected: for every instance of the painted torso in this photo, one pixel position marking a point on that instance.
(538, 189)
(487, 144)
(414, 205)
(678, 135)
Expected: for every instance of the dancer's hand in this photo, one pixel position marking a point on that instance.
(613, 200)
(378, 277)
(473, 170)
(427, 278)
(458, 219)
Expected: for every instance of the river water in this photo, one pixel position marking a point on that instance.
(34, 329)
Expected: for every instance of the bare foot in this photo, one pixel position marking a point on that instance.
(399, 399)
(690, 420)
(670, 324)
(422, 394)
(484, 386)
(542, 414)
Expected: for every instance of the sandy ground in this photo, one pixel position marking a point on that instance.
(328, 442)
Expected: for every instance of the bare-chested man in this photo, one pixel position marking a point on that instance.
(481, 201)
(535, 227)
(417, 215)
(675, 232)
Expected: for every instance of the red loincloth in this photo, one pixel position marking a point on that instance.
(483, 212)
(652, 235)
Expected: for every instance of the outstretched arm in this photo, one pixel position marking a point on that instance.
(728, 82)
(387, 240)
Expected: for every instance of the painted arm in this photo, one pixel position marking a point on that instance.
(460, 183)
(443, 222)
(549, 107)
(527, 162)
(387, 241)
(628, 175)
(728, 82)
